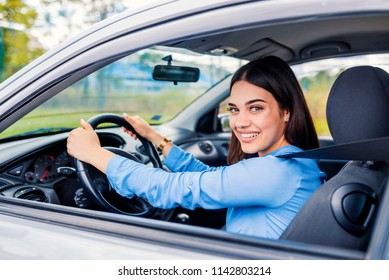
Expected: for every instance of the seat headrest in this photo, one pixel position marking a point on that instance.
(358, 105)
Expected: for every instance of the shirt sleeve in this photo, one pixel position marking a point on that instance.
(180, 161)
(261, 181)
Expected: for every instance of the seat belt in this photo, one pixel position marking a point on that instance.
(376, 149)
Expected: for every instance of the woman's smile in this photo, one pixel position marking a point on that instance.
(248, 136)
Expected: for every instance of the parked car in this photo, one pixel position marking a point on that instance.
(125, 63)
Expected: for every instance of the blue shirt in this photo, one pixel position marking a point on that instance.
(262, 194)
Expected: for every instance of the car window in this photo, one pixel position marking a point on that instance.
(316, 79)
(127, 85)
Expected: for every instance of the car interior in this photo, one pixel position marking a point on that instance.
(354, 156)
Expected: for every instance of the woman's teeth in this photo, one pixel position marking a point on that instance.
(249, 135)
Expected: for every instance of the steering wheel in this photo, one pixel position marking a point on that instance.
(96, 183)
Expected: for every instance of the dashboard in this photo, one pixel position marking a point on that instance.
(40, 169)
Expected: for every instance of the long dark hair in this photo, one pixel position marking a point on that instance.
(274, 75)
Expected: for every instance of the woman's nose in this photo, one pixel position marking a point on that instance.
(242, 122)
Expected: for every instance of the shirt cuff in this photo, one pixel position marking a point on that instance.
(173, 157)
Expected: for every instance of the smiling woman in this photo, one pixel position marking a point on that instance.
(222, 208)
(269, 118)
(273, 112)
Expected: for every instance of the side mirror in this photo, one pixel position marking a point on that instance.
(170, 73)
(224, 120)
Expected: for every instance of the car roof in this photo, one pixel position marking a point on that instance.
(295, 30)
(321, 38)
(320, 29)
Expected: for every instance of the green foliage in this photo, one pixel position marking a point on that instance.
(16, 11)
(16, 46)
(316, 90)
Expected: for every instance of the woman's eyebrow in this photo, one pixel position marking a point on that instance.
(254, 100)
(249, 102)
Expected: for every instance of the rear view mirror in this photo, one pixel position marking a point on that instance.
(176, 74)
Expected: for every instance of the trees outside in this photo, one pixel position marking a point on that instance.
(17, 48)
(60, 19)
(27, 27)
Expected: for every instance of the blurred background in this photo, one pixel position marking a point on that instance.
(28, 28)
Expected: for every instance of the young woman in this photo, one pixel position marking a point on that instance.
(263, 192)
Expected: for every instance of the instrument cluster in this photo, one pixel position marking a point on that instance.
(48, 167)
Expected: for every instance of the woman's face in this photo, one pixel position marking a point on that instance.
(256, 119)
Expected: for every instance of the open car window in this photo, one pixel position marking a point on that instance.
(317, 77)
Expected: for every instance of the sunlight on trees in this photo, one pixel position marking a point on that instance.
(17, 48)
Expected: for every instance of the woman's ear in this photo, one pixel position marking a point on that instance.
(286, 116)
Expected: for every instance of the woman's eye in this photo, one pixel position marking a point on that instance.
(232, 110)
(256, 108)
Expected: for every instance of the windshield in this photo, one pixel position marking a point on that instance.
(127, 86)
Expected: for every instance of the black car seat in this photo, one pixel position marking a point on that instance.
(342, 211)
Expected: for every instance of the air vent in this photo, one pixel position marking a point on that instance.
(4, 184)
(31, 193)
